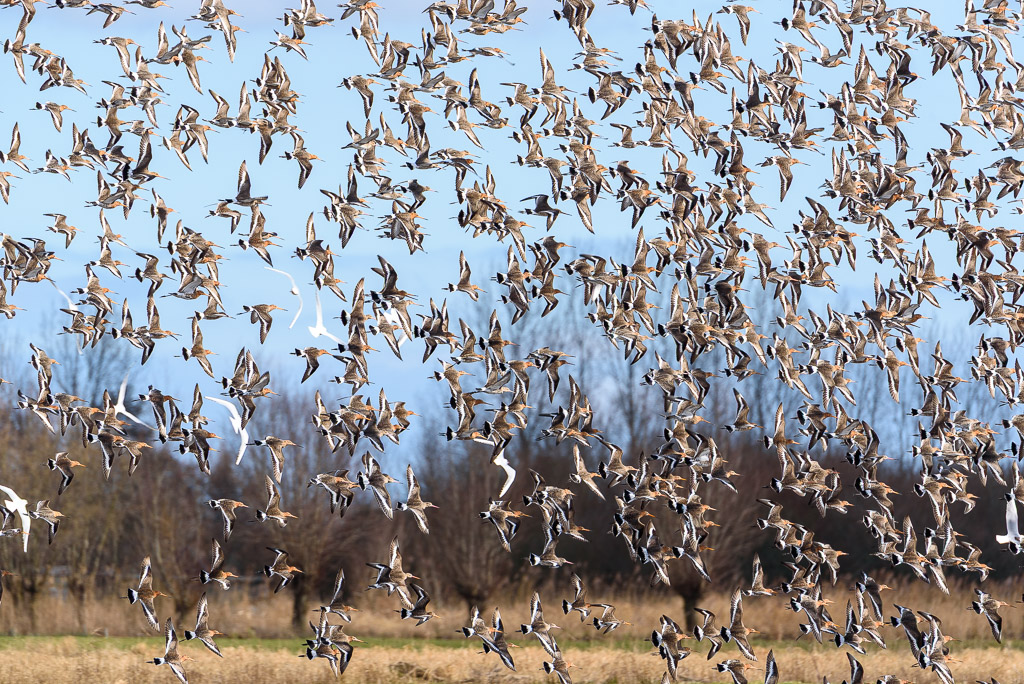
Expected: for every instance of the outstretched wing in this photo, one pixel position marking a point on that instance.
(202, 614)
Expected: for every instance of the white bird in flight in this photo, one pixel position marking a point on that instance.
(236, 425)
(121, 410)
(294, 291)
(1012, 536)
(510, 473)
(71, 307)
(320, 329)
(20, 506)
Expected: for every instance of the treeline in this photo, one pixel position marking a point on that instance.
(161, 511)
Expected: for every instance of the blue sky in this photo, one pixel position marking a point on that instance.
(323, 111)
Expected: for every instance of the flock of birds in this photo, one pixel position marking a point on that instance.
(704, 224)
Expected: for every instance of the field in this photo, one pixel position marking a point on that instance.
(397, 651)
(116, 660)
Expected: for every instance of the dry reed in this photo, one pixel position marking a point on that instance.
(263, 615)
(623, 657)
(71, 660)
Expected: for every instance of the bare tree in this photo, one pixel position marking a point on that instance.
(318, 541)
(461, 547)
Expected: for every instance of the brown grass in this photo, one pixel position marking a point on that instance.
(265, 615)
(398, 651)
(70, 660)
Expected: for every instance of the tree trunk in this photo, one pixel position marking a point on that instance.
(77, 588)
(691, 593)
(29, 593)
(300, 589)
